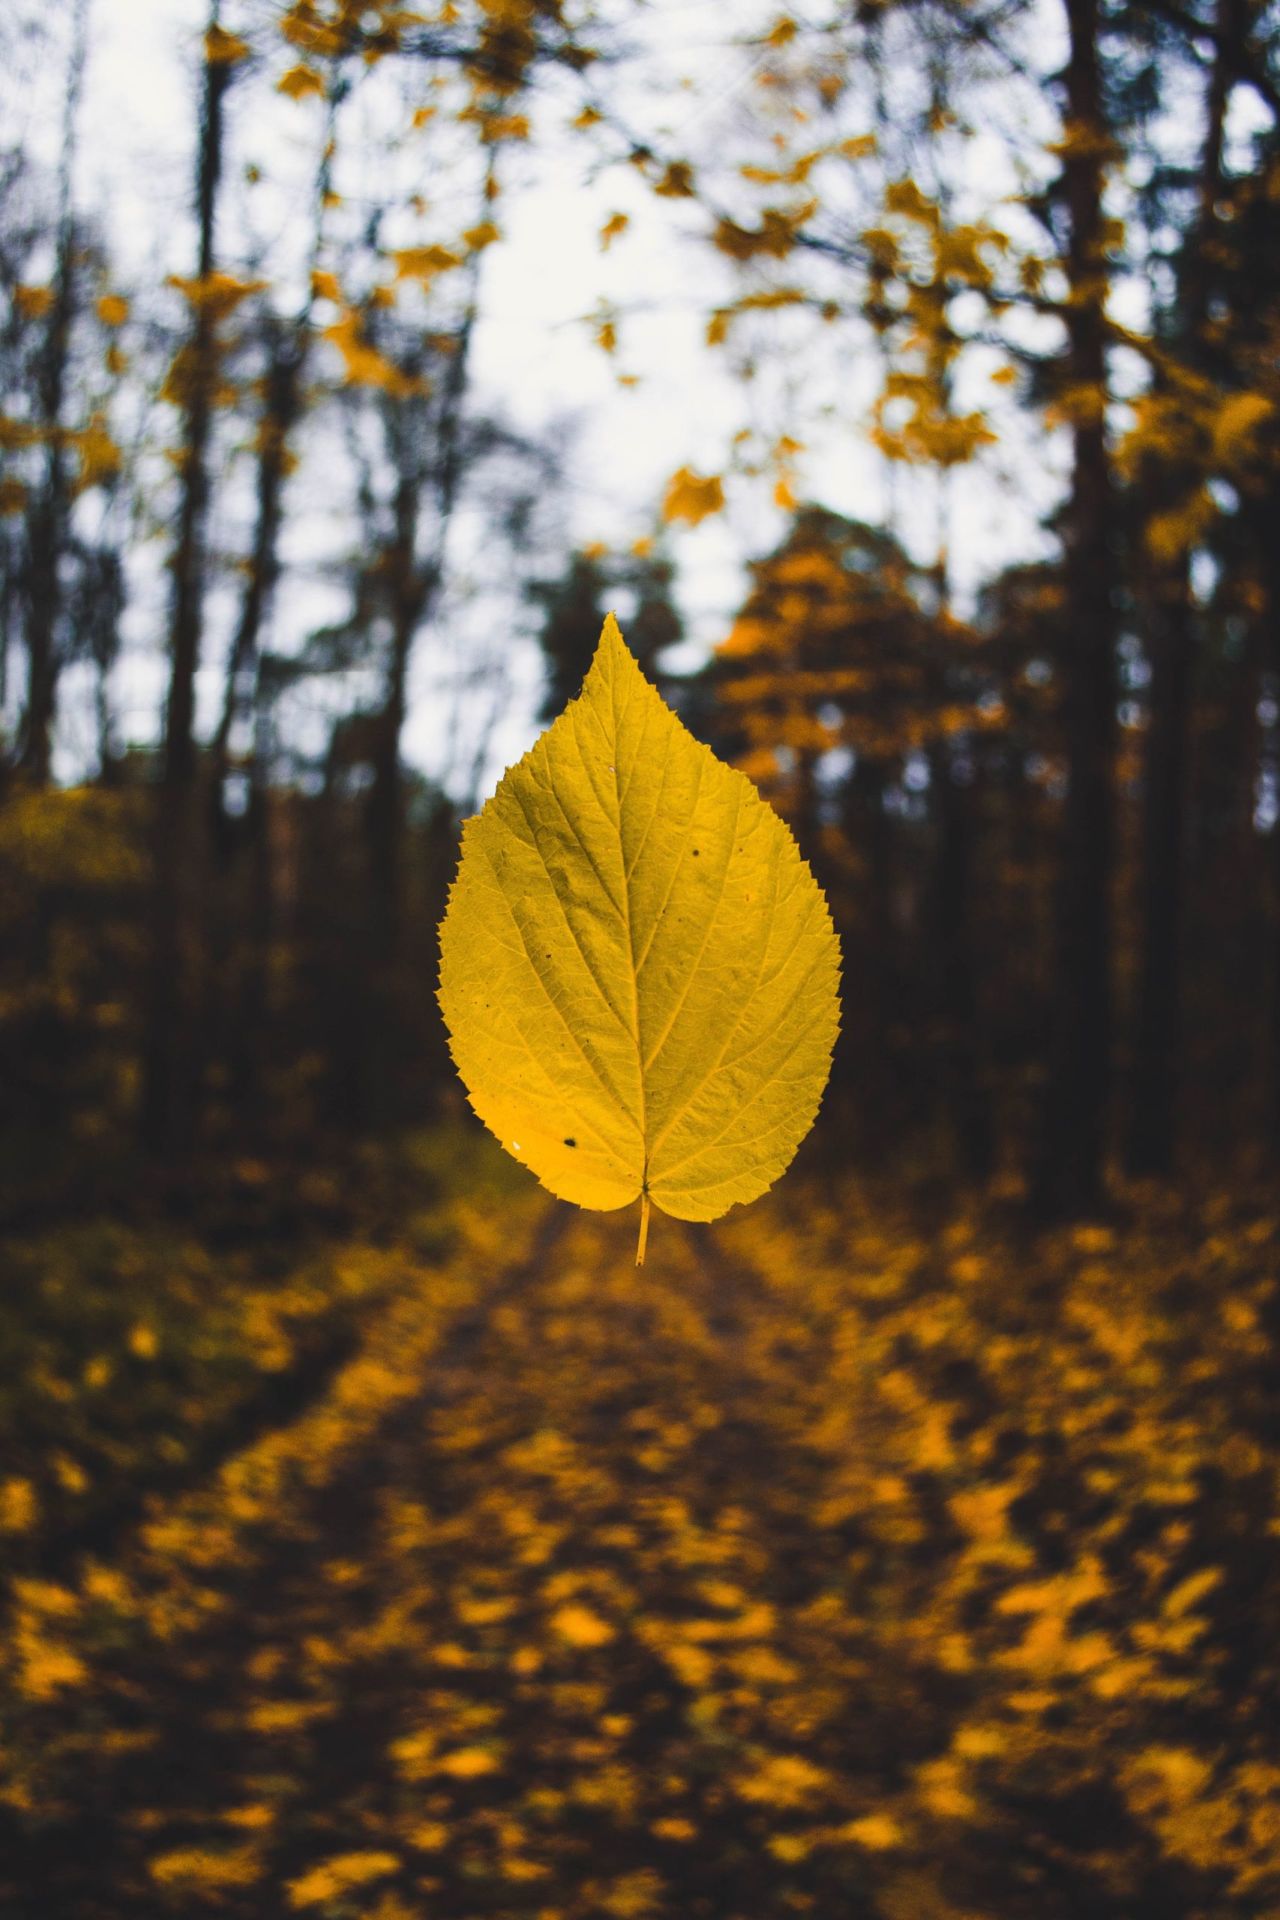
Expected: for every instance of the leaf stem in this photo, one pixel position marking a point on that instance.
(644, 1228)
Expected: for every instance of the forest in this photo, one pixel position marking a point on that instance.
(377, 1541)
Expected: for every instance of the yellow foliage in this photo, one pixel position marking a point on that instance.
(581, 1627)
(692, 496)
(878, 1832)
(424, 263)
(676, 182)
(32, 302)
(19, 1507)
(363, 365)
(773, 239)
(1242, 423)
(100, 457)
(223, 49)
(299, 82)
(304, 28)
(331, 1878)
(195, 1868)
(217, 294)
(468, 1763)
(1172, 535)
(782, 1780)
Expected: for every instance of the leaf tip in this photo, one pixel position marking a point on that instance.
(611, 633)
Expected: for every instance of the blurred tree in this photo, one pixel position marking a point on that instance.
(853, 700)
(573, 608)
(1069, 1177)
(1173, 490)
(169, 1091)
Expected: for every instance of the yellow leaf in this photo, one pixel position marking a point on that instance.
(100, 457)
(363, 365)
(325, 286)
(581, 1627)
(223, 49)
(19, 1508)
(676, 182)
(300, 81)
(32, 302)
(616, 223)
(424, 263)
(638, 971)
(217, 293)
(468, 1763)
(335, 1876)
(875, 1831)
(1240, 421)
(143, 1341)
(113, 309)
(202, 1867)
(692, 497)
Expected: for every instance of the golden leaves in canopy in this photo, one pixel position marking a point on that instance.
(32, 302)
(362, 363)
(223, 49)
(693, 496)
(216, 294)
(300, 82)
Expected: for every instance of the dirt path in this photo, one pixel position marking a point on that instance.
(587, 1593)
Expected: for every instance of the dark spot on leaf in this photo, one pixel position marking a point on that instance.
(571, 1143)
(695, 853)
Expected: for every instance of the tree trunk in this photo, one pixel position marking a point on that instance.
(278, 419)
(1152, 1137)
(1074, 1138)
(1156, 1070)
(413, 584)
(47, 522)
(865, 1069)
(168, 1102)
(1271, 578)
(411, 588)
(967, 1093)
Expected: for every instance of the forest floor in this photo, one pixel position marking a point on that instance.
(826, 1566)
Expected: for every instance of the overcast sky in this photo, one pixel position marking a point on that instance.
(533, 357)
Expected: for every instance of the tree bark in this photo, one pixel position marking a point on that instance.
(1271, 578)
(1153, 1122)
(47, 522)
(168, 1101)
(967, 1092)
(1069, 1179)
(412, 586)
